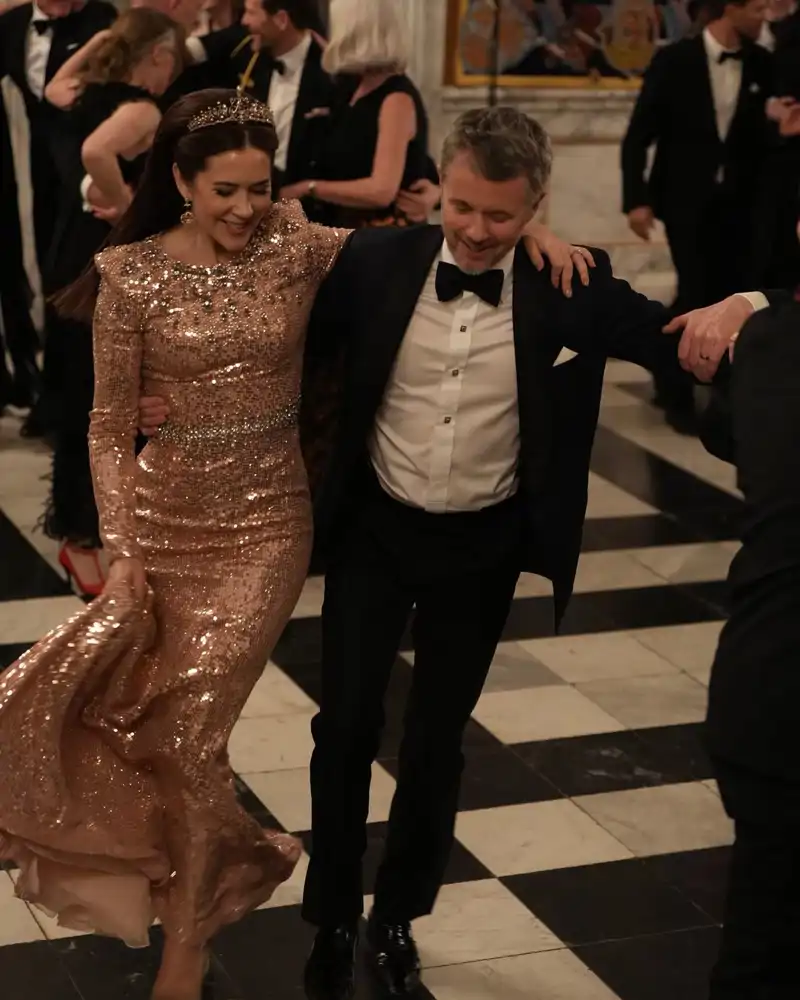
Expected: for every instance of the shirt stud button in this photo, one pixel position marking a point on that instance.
(448, 420)
(463, 329)
(455, 373)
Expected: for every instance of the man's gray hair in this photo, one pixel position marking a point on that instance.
(504, 143)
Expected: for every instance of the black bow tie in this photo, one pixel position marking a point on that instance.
(724, 56)
(279, 66)
(43, 25)
(451, 282)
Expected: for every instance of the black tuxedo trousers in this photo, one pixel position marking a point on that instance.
(457, 573)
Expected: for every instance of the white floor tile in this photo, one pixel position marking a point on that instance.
(17, 925)
(662, 820)
(479, 920)
(607, 500)
(279, 743)
(689, 563)
(612, 571)
(542, 713)
(287, 795)
(290, 892)
(30, 620)
(690, 647)
(553, 975)
(541, 836)
(580, 658)
(641, 702)
(276, 694)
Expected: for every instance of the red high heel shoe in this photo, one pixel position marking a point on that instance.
(85, 587)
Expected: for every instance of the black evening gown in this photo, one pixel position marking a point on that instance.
(71, 515)
(350, 151)
(348, 155)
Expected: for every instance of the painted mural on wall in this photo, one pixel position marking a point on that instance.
(607, 43)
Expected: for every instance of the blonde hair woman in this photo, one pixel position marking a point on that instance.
(378, 142)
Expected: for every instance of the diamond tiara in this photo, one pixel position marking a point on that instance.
(241, 108)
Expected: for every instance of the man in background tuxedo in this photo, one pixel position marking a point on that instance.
(35, 41)
(17, 335)
(288, 76)
(702, 104)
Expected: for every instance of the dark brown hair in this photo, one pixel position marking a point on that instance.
(304, 14)
(133, 35)
(157, 205)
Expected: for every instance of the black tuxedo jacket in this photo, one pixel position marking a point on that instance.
(755, 682)
(675, 110)
(367, 302)
(225, 67)
(69, 34)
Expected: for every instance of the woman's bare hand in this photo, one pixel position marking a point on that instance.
(130, 572)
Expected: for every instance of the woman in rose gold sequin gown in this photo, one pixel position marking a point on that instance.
(116, 797)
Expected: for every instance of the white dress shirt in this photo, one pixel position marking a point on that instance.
(283, 93)
(447, 435)
(38, 53)
(726, 82)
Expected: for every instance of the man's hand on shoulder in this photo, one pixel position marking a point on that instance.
(708, 333)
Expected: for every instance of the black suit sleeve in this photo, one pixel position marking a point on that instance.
(643, 130)
(765, 409)
(220, 45)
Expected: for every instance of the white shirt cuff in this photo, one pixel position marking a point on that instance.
(196, 50)
(86, 183)
(757, 300)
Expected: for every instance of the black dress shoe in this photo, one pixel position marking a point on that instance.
(394, 957)
(331, 967)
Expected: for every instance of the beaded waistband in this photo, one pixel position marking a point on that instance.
(197, 435)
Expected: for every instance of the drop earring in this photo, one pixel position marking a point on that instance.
(187, 216)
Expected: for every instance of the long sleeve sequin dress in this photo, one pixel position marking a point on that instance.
(116, 797)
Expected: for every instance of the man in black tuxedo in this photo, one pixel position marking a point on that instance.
(35, 41)
(470, 400)
(288, 76)
(702, 104)
(17, 335)
(751, 729)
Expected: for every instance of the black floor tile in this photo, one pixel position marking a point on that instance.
(606, 762)
(104, 968)
(607, 534)
(266, 953)
(702, 876)
(607, 902)
(34, 972)
(494, 777)
(23, 572)
(673, 966)
(462, 867)
(10, 652)
(679, 750)
(653, 480)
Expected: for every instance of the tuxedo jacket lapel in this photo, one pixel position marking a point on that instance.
(415, 257)
(698, 84)
(536, 349)
(17, 47)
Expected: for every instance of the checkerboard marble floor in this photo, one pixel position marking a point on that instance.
(591, 842)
